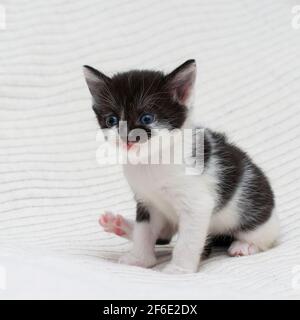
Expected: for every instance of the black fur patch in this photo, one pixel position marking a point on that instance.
(142, 213)
(237, 171)
(163, 242)
(230, 167)
(257, 201)
(223, 241)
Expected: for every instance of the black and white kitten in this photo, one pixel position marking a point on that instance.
(232, 197)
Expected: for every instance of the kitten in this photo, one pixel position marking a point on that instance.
(232, 196)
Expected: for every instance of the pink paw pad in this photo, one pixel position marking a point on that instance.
(240, 248)
(114, 224)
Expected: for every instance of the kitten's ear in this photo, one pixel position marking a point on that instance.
(95, 79)
(181, 82)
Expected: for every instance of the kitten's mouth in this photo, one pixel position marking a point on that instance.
(136, 144)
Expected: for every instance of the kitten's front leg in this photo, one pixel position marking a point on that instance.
(194, 218)
(146, 231)
(142, 252)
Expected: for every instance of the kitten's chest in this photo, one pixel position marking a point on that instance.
(152, 183)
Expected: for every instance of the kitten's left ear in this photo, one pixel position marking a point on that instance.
(95, 79)
(181, 81)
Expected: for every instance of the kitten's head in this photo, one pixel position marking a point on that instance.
(142, 99)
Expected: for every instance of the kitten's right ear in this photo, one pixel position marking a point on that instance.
(95, 79)
(181, 82)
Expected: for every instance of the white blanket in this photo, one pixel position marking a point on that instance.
(52, 190)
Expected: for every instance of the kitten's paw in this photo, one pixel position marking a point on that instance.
(241, 248)
(132, 260)
(116, 224)
(172, 268)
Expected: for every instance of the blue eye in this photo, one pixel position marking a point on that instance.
(147, 118)
(111, 121)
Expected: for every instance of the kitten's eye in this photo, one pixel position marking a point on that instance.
(147, 118)
(111, 121)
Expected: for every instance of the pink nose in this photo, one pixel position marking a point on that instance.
(129, 145)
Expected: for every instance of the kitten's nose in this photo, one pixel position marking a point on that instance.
(131, 141)
(129, 145)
